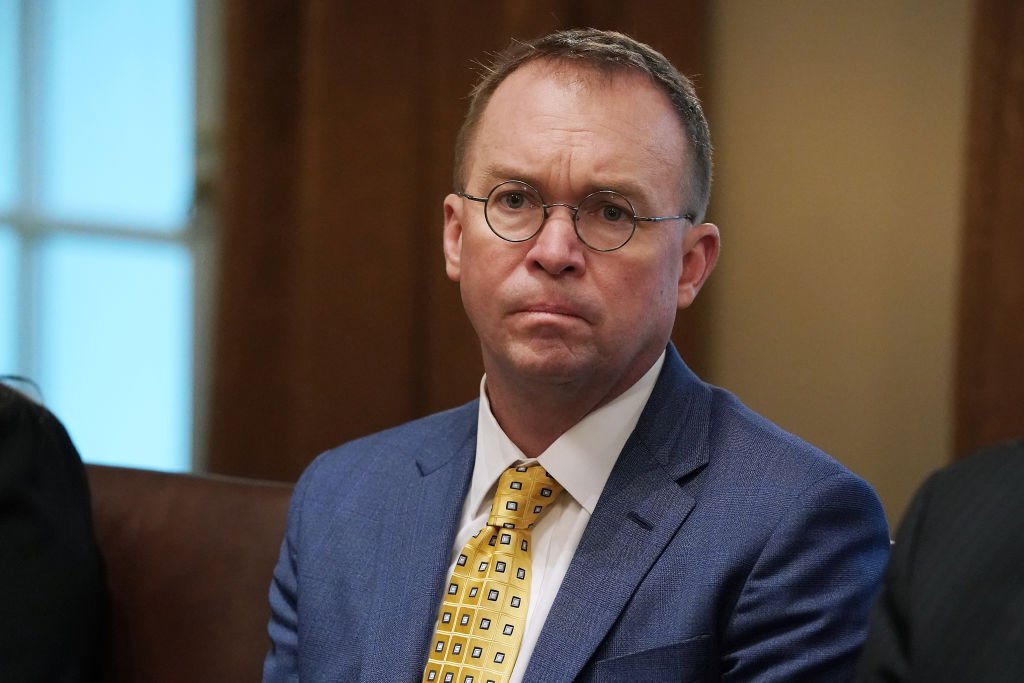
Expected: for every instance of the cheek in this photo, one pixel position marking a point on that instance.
(651, 300)
(484, 270)
(655, 280)
(670, 269)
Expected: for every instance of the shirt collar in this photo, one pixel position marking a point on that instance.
(580, 460)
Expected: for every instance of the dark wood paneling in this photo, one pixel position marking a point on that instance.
(990, 355)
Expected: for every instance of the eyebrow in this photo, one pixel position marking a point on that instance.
(494, 174)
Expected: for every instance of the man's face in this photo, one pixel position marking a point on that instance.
(550, 311)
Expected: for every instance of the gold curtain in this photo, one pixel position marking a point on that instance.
(990, 356)
(334, 316)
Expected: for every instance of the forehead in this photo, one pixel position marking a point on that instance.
(568, 124)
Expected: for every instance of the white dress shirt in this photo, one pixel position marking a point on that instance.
(580, 460)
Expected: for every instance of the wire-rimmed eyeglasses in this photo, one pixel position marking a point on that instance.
(604, 220)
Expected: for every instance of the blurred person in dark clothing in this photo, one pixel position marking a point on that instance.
(51, 595)
(952, 608)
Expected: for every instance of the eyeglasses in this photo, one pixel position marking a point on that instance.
(604, 220)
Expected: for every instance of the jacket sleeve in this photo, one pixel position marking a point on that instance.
(802, 613)
(282, 662)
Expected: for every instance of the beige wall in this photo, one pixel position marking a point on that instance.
(839, 129)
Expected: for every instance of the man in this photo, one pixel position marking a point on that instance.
(952, 608)
(693, 539)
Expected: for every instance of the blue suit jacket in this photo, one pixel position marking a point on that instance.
(722, 548)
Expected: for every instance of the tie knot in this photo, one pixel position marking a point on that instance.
(523, 493)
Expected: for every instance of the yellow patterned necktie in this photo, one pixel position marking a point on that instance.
(481, 621)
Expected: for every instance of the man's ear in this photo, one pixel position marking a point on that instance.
(701, 244)
(453, 205)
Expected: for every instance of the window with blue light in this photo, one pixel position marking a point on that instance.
(10, 46)
(117, 112)
(97, 148)
(115, 325)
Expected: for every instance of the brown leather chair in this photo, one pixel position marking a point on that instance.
(188, 560)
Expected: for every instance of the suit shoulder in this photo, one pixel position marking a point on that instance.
(692, 425)
(772, 484)
(434, 436)
(21, 415)
(35, 447)
(739, 432)
(981, 491)
(994, 467)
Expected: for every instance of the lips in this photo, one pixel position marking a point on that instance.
(552, 309)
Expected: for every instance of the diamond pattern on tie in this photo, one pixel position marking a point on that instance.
(481, 620)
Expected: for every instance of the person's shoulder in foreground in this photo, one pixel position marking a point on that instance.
(952, 608)
(50, 577)
(722, 547)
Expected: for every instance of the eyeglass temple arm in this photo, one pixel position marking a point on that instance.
(656, 219)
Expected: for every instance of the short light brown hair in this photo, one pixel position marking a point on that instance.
(608, 52)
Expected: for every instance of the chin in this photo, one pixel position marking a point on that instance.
(553, 362)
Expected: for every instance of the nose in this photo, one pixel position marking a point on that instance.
(556, 248)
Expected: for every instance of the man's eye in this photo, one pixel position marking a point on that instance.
(513, 200)
(612, 213)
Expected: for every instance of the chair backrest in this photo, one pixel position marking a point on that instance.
(188, 565)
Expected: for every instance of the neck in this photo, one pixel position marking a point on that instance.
(533, 416)
(533, 422)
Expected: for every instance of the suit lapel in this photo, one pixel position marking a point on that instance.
(416, 556)
(639, 512)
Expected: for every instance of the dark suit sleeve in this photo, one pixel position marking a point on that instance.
(50, 574)
(886, 655)
(803, 611)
